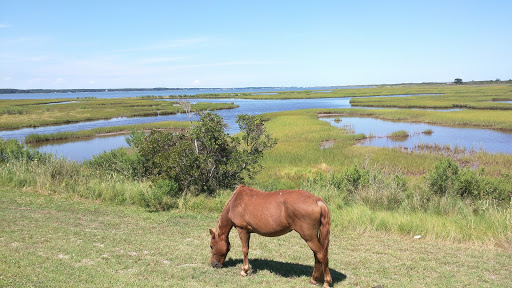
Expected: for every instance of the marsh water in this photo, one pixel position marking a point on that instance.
(378, 130)
(476, 139)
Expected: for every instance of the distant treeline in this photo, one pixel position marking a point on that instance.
(17, 91)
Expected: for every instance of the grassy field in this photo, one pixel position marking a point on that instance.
(50, 241)
(15, 114)
(467, 97)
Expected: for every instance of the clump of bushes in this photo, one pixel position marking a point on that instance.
(372, 187)
(447, 178)
(13, 150)
(200, 161)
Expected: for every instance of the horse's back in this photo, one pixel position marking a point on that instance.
(273, 213)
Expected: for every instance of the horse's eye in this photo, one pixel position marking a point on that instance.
(211, 247)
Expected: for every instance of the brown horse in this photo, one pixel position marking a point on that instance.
(274, 214)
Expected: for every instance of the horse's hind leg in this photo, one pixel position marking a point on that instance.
(314, 245)
(317, 270)
(244, 238)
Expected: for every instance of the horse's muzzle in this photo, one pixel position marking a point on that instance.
(216, 264)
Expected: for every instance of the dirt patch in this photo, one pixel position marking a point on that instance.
(327, 144)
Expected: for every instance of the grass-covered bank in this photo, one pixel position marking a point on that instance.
(15, 114)
(106, 131)
(487, 119)
(54, 241)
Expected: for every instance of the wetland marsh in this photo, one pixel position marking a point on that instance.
(461, 107)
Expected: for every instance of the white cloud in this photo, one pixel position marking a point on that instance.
(4, 26)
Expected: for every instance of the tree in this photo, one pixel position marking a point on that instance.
(457, 81)
(206, 158)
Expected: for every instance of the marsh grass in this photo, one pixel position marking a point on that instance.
(399, 134)
(487, 119)
(36, 114)
(467, 97)
(104, 131)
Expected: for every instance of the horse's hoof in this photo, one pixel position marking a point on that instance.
(243, 273)
(312, 281)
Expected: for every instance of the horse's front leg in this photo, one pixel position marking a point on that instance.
(244, 237)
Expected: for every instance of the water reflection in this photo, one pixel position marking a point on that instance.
(469, 138)
(80, 150)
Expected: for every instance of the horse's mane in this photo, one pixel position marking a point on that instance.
(228, 206)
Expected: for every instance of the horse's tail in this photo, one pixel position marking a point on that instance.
(325, 228)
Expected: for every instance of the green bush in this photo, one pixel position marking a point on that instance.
(12, 150)
(442, 179)
(162, 196)
(448, 179)
(121, 160)
(206, 158)
(356, 178)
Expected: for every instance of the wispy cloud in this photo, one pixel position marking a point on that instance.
(168, 45)
(159, 60)
(4, 25)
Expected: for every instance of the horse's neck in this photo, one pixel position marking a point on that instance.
(225, 224)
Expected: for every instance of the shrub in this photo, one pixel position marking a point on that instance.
(442, 179)
(119, 161)
(206, 158)
(12, 150)
(162, 196)
(356, 178)
(448, 179)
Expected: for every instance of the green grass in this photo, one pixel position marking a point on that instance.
(34, 113)
(467, 97)
(487, 119)
(50, 241)
(399, 134)
(104, 131)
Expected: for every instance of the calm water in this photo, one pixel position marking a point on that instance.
(177, 92)
(469, 138)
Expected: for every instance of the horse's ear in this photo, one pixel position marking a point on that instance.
(212, 233)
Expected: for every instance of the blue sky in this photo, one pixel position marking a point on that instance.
(115, 44)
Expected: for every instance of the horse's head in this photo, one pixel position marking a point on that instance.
(220, 247)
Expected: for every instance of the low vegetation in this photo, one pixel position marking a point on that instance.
(175, 126)
(16, 114)
(399, 134)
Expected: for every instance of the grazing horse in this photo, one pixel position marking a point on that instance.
(274, 214)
